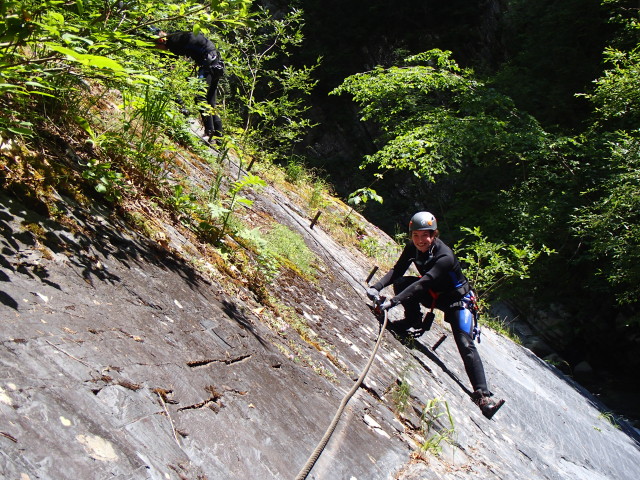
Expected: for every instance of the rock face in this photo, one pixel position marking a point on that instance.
(120, 360)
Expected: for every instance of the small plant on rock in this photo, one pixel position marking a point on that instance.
(289, 247)
(400, 394)
(610, 418)
(433, 433)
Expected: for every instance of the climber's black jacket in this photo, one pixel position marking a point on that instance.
(197, 47)
(440, 273)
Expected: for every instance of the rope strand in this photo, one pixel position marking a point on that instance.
(325, 439)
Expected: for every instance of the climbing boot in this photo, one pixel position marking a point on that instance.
(487, 405)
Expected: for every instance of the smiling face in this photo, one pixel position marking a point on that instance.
(423, 239)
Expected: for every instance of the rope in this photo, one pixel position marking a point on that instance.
(325, 439)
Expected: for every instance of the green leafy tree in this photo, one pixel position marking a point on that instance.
(491, 264)
(437, 118)
(268, 91)
(616, 98)
(609, 223)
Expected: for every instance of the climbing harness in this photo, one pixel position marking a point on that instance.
(429, 317)
(325, 439)
(475, 311)
(470, 303)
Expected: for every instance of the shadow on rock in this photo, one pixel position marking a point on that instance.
(231, 310)
(413, 343)
(7, 300)
(93, 237)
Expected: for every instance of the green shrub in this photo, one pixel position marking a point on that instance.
(289, 246)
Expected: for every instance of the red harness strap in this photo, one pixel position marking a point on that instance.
(435, 296)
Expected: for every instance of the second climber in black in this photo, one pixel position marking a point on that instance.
(441, 285)
(210, 66)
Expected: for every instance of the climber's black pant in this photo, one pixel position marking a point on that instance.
(461, 321)
(212, 123)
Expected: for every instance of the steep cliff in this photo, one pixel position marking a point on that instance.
(124, 357)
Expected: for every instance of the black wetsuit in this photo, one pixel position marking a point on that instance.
(210, 68)
(441, 285)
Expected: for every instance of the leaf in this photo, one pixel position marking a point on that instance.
(84, 124)
(10, 87)
(42, 94)
(254, 236)
(38, 85)
(96, 61)
(216, 211)
(244, 201)
(20, 131)
(362, 195)
(69, 38)
(57, 17)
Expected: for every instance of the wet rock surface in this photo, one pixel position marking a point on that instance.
(120, 360)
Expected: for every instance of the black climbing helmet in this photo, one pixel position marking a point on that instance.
(423, 221)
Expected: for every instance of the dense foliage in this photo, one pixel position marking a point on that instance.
(66, 63)
(529, 140)
(91, 109)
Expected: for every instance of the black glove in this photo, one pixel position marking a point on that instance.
(373, 293)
